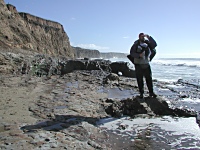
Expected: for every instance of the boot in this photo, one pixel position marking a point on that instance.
(141, 95)
(152, 95)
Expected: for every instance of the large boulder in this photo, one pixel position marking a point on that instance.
(72, 65)
(129, 107)
(151, 106)
(124, 68)
(80, 64)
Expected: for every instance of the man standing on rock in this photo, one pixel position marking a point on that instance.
(142, 52)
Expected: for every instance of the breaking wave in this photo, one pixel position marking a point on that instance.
(178, 62)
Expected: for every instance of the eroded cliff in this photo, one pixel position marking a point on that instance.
(25, 31)
(86, 53)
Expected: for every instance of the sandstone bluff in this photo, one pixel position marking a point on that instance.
(28, 32)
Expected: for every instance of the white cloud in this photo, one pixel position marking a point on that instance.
(126, 37)
(73, 18)
(92, 46)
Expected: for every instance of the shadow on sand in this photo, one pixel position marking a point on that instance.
(60, 122)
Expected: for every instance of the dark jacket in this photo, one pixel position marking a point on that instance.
(148, 52)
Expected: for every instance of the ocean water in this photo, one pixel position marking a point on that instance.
(155, 133)
(173, 69)
(164, 132)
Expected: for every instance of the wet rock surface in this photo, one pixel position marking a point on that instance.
(149, 105)
(60, 112)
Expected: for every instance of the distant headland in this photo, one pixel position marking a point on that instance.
(24, 32)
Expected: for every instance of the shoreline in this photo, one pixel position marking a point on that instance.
(61, 108)
(61, 112)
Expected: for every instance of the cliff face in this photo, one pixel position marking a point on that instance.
(25, 31)
(86, 53)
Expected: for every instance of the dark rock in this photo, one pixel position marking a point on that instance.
(155, 80)
(115, 109)
(92, 65)
(109, 100)
(161, 107)
(129, 107)
(112, 77)
(44, 65)
(122, 127)
(47, 140)
(94, 145)
(124, 68)
(71, 65)
(180, 81)
(132, 107)
(184, 113)
(135, 106)
(183, 96)
(86, 59)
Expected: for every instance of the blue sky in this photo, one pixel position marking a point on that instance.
(113, 25)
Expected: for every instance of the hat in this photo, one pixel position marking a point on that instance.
(141, 34)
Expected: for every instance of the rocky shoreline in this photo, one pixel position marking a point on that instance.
(60, 111)
(51, 100)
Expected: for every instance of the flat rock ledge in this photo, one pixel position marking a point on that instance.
(149, 105)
